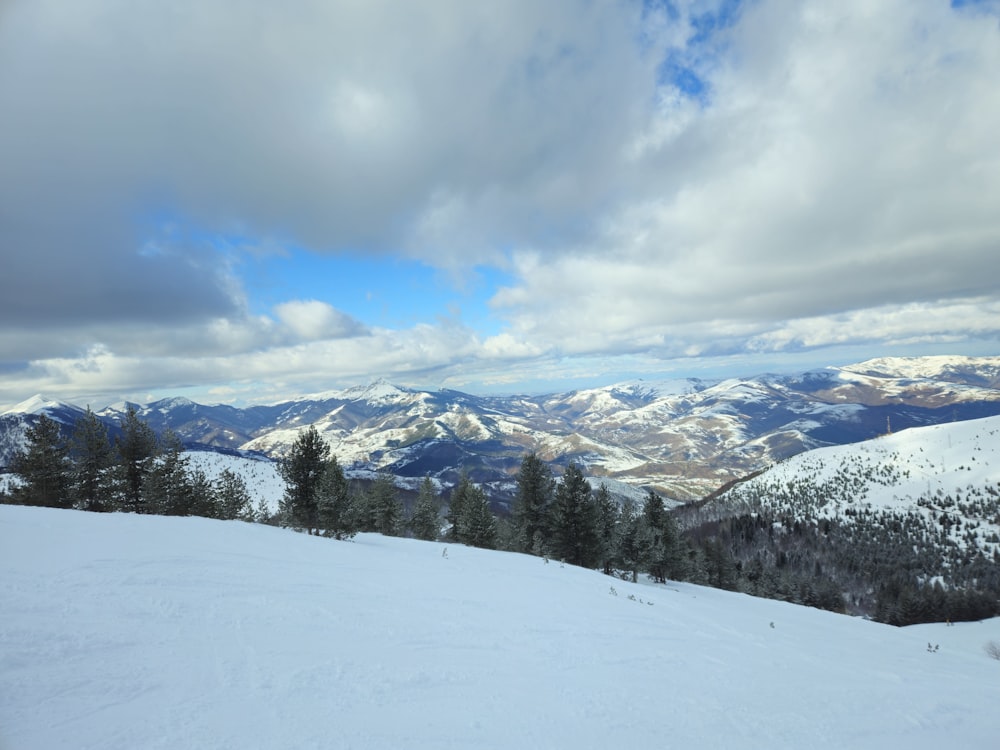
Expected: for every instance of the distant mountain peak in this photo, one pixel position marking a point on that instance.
(921, 367)
(38, 404)
(378, 391)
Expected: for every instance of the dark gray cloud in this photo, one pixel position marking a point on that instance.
(835, 178)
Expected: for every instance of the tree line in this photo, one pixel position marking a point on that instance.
(137, 472)
(878, 566)
(565, 520)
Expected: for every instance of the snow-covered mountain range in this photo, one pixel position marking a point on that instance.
(684, 438)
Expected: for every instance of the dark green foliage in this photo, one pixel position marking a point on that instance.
(719, 565)
(232, 500)
(456, 508)
(203, 500)
(137, 449)
(477, 525)
(660, 544)
(469, 515)
(574, 536)
(607, 526)
(535, 491)
(167, 488)
(385, 511)
(44, 467)
(336, 515)
(93, 459)
(302, 470)
(426, 523)
(628, 542)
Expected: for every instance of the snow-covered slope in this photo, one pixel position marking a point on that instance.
(122, 631)
(264, 484)
(947, 474)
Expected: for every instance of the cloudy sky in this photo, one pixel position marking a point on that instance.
(241, 202)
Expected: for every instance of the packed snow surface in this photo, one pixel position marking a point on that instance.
(123, 631)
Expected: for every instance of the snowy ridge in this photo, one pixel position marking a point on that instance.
(949, 474)
(37, 404)
(927, 368)
(683, 438)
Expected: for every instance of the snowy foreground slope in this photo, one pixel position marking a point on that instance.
(121, 631)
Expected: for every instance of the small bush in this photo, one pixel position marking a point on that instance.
(992, 650)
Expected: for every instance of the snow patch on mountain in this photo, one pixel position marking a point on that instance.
(260, 475)
(945, 473)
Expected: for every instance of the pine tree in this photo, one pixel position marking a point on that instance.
(607, 525)
(302, 469)
(477, 524)
(628, 546)
(137, 449)
(660, 540)
(535, 490)
(232, 499)
(94, 458)
(720, 568)
(167, 488)
(44, 467)
(336, 517)
(574, 521)
(387, 510)
(425, 523)
(456, 508)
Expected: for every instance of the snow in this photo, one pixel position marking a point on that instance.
(123, 631)
(260, 475)
(930, 367)
(922, 470)
(949, 457)
(37, 404)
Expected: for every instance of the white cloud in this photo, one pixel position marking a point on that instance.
(311, 320)
(836, 183)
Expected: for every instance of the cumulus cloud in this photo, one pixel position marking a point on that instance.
(844, 161)
(312, 319)
(692, 179)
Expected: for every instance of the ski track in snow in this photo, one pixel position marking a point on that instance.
(123, 631)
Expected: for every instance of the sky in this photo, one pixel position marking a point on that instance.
(246, 205)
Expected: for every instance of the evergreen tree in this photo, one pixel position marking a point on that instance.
(232, 499)
(44, 467)
(302, 470)
(720, 567)
(425, 523)
(574, 521)
(336, 516)
(507, 536)
(167, 489)
(660, 540)
(607, 526)
(386, 509)
(94, 458)
(203, 500)
(477, 524)
(535, 490)
(137, 449)
(628, 544)
(456, 508)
